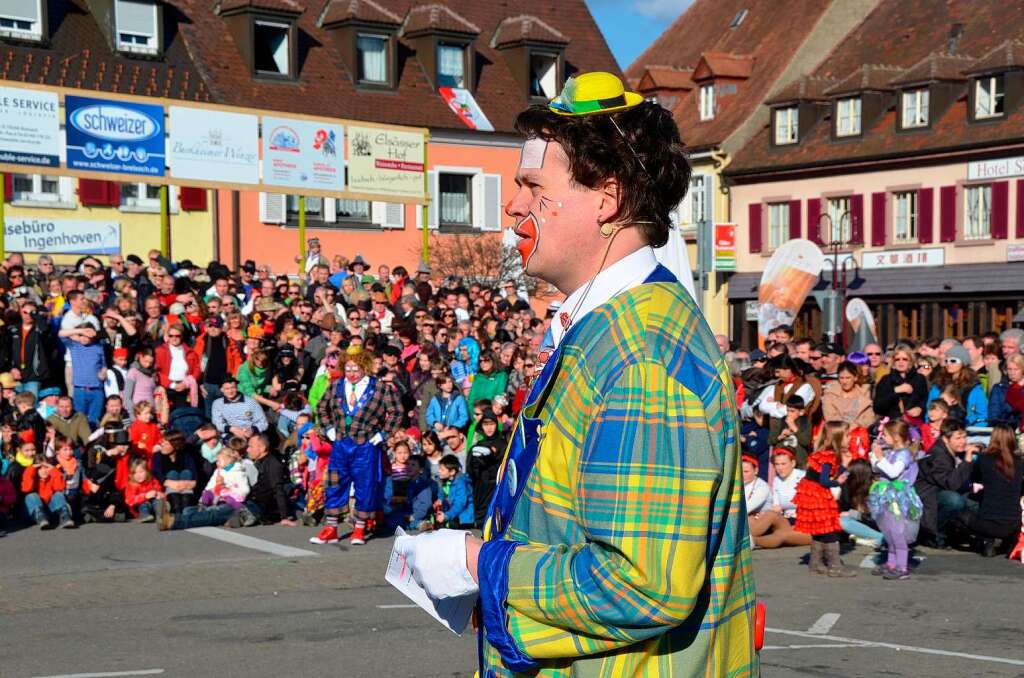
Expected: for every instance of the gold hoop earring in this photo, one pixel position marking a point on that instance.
(608, 230)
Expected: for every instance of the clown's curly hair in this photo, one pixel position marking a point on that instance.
(647, 158)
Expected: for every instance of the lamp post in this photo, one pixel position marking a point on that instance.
(834, 301)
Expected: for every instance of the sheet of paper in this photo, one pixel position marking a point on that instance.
(453, 613)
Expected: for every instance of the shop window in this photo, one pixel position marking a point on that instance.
(543, 75)
(39, 188)
(840, 217)
(915, 108)
(272, 54)
(372, 59)
(848, 117)
(352, 210)
(778, 224)
(21, 19)
(905, 217)
(786, 125)
(456, 199)
(707, 102)
(989, 93)
(978, 212)
(314, 208)
(137, 26)
(451, 65)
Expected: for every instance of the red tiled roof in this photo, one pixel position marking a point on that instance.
(903, 33)
(867, 78)
(1008, 55)
(804, 88)
(664, 78)
(436, 17)
(937, 66)
(288, 6)
(202, 62)
(718, 65)
(337, 11)
(770, 35)
(79, 56)
(526, 27)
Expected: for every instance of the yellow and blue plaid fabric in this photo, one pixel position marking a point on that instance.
(629, 551)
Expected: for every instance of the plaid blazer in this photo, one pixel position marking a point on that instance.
(382, 412)
(627, 552)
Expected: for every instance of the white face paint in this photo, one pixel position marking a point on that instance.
(532, 156)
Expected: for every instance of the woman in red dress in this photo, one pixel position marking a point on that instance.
(817, 512)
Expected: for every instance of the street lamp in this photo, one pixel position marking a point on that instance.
(834, 300)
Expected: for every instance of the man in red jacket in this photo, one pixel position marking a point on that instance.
(178, 367)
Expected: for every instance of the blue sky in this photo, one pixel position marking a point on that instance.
(630, 26)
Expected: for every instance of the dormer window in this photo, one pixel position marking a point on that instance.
(22, 19)
(989, 93)
(372, 59)
(451, 65)
(915, 108)
(848, 117)
(271, 48)
(543, 75)
(707, 102)
(137, 26)
(786, 125)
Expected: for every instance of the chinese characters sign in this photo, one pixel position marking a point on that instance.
(931, 256)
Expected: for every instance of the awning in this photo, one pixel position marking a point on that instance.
(923, 281)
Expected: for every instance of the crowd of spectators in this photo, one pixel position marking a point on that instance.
(170, 393)
(837, 445)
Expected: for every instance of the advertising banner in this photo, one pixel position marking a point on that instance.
(385, 161)
(61, 236)
(29, 127)
(114, 136)
(725, 247)
(211, 145)
(303, 154)
(862, 323)
(787, 279)
(463, 104)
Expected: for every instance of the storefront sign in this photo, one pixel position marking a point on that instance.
(214, 145)
(932, 256)
(750, 309)
(1015, 252)
(725, 247)
(29, 127)
(996, 169)
(462, 104)
(303, 154)
(386, 161)
(61, 236)
(114, 136)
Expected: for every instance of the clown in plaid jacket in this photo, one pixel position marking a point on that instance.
(617, 542)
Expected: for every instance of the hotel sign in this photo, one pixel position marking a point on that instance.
(995, 169)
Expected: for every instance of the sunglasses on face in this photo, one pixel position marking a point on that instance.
(870, 353)
(924, 366)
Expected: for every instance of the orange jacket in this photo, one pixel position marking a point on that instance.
(44, 487)
(234, 355)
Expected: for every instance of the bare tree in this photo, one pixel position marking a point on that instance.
(484, 259)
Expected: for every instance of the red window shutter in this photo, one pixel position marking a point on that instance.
(795, 229)
(947, 214)
(1020, 208)
(754, 215)
(1000, 209)
(9, 187)
(925, 210)
(878, 224)
(857, 219)
(93, 192)
(113, 194)
(193, 199)
(814, 220)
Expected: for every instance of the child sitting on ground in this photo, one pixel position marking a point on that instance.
(144, 494)
(72, 471)
(408, 502)
(144, 431)
(455, 507)
(938, 412)
(43, 487)
(228, 484)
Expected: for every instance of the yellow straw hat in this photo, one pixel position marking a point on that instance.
(593, 93)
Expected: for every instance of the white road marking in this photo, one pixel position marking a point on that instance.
(903, 648)
(810, 647)
(394, 607)
(824, 624)
(111, 674)
(238, 539)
